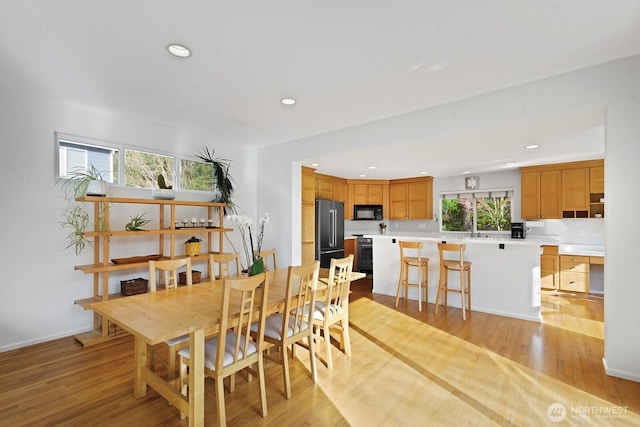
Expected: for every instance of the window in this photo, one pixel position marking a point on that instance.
(141, 168)
(485, 211)
(73, 156)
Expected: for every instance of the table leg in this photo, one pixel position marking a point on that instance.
(196, 378)
(140, 350)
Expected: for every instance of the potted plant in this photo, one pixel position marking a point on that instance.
(223, 180)
(192, 246)
(136, 222)
(79, 183)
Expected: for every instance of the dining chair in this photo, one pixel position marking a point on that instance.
(269, 253)
(294, 324)
(169, 269)
(454, 263)
(332, 311)
(228, 265)
(234, 350)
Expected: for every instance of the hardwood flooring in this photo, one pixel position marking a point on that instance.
(408, 368)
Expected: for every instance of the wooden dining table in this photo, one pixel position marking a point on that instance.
(187, 310)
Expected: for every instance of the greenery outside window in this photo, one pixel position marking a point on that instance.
(480, 211)
(141, 168)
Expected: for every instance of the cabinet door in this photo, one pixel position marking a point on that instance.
(308, 186)
(549, 271)
(530, 195)
(596, 179)
(340, 191)
(575, 189)
(398, 198)
(375, 194)
(308, 232)
(360, 194)
(550, 198)
(574, 273)
(419, 201)
(324, 188)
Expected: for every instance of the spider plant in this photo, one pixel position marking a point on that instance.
(223, 180)
(136, 222)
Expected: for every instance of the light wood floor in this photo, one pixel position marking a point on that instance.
(408, 368)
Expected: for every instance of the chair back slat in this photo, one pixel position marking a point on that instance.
(241, 292)
(339, 282)
(304, 280)
(168, 268)
(452, 253)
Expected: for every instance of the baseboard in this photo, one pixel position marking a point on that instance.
(632, 376)
(39, 340)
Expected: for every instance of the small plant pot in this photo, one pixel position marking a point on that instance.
(97, 188)
(192, 248)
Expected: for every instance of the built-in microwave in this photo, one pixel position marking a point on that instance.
(367, 212)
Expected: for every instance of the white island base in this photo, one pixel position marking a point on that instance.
(504, 280)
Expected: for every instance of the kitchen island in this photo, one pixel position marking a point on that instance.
(505, 275)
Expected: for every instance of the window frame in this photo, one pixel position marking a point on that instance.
(122, 148)
(475, 195)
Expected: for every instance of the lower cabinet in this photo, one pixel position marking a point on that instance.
(574, 273)
(350, 249)
(549, 267)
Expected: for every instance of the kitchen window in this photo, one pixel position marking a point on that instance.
(479, 211)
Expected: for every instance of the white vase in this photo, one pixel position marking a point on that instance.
(97, 188)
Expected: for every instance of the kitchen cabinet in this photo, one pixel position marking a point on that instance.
(575, 193)
(324, 187)
(540, 194)
(411, 198)
(168, 237)
(308, 215)
(549, 271)
(350, 249)
(367, 192)
(562, 190)
(574, 273)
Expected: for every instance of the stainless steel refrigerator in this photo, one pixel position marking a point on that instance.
(329, 231)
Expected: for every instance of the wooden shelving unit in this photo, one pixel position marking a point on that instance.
(166, 233)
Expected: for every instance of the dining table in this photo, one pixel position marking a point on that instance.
(155, 317)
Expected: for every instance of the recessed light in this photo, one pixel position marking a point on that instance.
(179, 50)
(510, 164)
(288, 101)
(424, 173)
(466, 172)
(371, 167)
(315, 164)
(362, 175)
(531, 146)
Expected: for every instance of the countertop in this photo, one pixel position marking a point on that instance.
(580, 249)
(439, 237)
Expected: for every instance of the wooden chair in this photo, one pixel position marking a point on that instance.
(228, 265)
(169, 269)
(294, 324)
(454, 264)
(232, 351)
(422, 266)
(269, 253)
(332, 311)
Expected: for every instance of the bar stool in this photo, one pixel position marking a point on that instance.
(422, 265)
(458, 264)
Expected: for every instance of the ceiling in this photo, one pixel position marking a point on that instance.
(346, 63)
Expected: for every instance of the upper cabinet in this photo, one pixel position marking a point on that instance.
(564, 190)
(411, 198)
(330, 188)
(367, 192)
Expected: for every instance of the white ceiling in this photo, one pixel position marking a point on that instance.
(346, 62)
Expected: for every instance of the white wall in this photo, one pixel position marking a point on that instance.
(613, 85)
(39, 283)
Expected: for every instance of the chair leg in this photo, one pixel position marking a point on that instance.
(469, 288)
(263, 388)
(327, 345)
(400, 283)
(183, 382)
(222, 416)
(346, 340)
(172, 363)
(284, 354)
(312, 357)
(462, 292)
(419, 288)
(440, 285)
